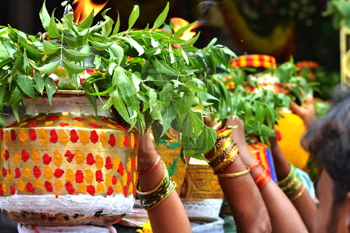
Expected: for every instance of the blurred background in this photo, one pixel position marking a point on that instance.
(279, 28)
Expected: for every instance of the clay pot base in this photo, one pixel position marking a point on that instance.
(41, 219)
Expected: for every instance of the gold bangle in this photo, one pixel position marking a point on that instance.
(299, 194)
(288, 176)
(224, 134)
(217, 126)
(225, 146)
(233, 155)
(233, 175)
(160, 183)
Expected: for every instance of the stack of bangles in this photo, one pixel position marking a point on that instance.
(291, 184)
(263, 177)
(154, 197)
(225, 151)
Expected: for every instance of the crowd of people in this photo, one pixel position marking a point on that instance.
(256, 202)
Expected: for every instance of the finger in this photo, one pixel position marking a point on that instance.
(296, 108)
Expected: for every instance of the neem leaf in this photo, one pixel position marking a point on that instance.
(126, 90)
(134, 16)
(117, 72)
(168, 117)
(117, 26)
(120, 106)
(49, 48)
(39, 81)
(15, 107)
(197, 122)
(16, 95)
(74, 41)
(164, 68)
(74, 55)
(50, 87)
(87, 86)
(86, 49)
(166, 94)
(118, 52)
(72, 68)
(161, 18)
(26, 84)
(100, 46)
(52, 29)
(44, 16)
(183, 29)
(49, 68)
(136, 46)
(88, 21)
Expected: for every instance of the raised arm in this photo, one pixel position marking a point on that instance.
(304, 204)
(284, 217)
(169, 215)
(242, 196)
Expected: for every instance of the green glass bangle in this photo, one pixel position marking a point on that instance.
(159, 189)
(161, 197)
(295, 187)
(289, 177)
(295, 179)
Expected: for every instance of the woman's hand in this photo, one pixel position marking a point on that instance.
(238, 136)
(306, 113)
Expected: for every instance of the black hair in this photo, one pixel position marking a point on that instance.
(328, 140)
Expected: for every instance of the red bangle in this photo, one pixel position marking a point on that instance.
(255, 165)
(222, 130)
(152, 168)
(262, 178)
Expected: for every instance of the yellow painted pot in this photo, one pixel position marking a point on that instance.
(290, 130)
(63, 166)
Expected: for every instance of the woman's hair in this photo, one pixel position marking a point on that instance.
(328, 141)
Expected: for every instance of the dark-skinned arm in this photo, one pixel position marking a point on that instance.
(244, 199)
(304, 204)
(284, 217)
(171, 210)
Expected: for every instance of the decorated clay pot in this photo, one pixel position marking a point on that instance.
(289, 131)
(63, 166)
(201, 193)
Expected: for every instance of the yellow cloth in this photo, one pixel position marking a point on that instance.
(290, 131)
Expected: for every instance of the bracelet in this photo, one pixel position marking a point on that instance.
(225, 133)
(215, 162)
(233, 175)
(161, 196)
(152, 168)
(161, 187)
(220, 146)
(262, 178)
(228, 144)
(299, 194)
(294, 187)
(222, 130)
(291, 183)
(227, 161)
(288, 176)
(255, 165)
(217, 126)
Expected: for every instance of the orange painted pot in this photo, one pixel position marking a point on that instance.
(63, 166)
